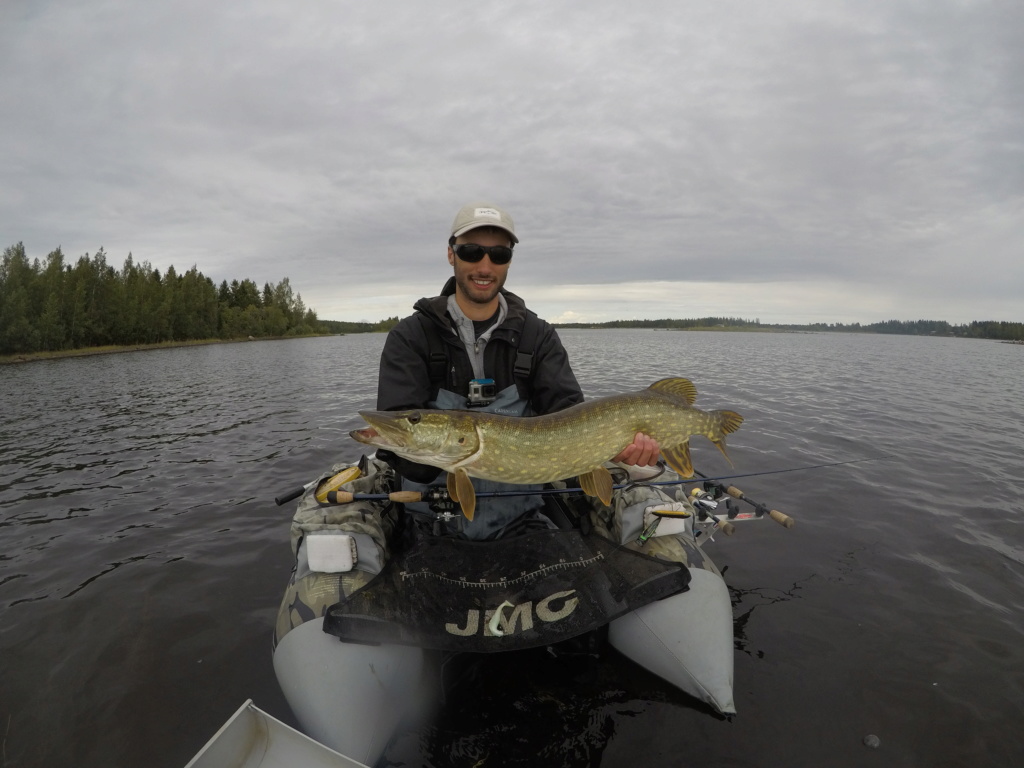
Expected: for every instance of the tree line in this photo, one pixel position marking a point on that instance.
(978, 329)
(696, 322)
(345, 326)
(52, 305)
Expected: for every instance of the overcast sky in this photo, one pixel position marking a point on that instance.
(790, 161)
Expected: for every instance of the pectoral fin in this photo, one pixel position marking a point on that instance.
(678, 457)
(453, 489)
(598, 482)
(464, 493)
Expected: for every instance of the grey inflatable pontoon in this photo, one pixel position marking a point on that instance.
(352, 697)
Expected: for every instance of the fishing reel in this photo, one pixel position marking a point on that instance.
(445, 510)
(711, 494)
(705, 502)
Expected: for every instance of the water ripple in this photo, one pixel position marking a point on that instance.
(134, 481)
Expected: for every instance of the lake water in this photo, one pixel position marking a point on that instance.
(142, 557)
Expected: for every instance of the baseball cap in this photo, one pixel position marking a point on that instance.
(482, 215)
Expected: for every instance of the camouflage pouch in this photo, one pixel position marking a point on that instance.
(373, 519)
(623, 522)
(370, 523)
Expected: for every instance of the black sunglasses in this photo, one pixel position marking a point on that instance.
(471, 252)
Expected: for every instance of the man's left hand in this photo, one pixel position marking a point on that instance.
(642, 452)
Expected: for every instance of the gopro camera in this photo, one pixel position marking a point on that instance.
(481, 392)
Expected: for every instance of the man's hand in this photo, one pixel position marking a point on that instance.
(642, 452)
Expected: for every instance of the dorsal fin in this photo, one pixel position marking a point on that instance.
(678, 387)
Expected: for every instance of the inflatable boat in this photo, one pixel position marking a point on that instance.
(374, 599)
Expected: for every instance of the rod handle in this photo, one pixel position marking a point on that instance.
(781, 518)
(345, 497)
(405, 496)
(284, 498)
(726, 527)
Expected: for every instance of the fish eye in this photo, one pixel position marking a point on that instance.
(414, 418)
(462, 441)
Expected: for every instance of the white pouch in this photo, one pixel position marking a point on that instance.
(331, 552)
(668, 523)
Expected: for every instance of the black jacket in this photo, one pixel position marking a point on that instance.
(405, 381)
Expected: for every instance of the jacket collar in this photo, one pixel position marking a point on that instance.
(436, 308)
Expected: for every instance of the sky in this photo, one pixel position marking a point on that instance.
(795, 161)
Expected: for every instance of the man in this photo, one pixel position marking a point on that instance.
(477, 331)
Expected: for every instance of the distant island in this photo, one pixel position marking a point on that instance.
(985, 329)
(977, 329)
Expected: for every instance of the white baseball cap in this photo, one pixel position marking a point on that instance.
(477, 215)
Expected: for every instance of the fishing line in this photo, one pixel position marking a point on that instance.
(772, 471)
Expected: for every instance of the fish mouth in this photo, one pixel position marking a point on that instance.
(384, 431)
(364, 435)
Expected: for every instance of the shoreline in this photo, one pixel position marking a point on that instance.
(30, 357)
(114, 349)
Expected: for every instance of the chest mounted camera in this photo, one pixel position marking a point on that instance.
(481, 392)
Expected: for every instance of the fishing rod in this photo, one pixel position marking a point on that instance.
(440, 494)
(328, 491)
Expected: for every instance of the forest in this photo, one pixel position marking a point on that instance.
(52, 305)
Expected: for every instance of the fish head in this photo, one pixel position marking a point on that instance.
(438, 438)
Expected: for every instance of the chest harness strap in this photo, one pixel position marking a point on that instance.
(439, 365)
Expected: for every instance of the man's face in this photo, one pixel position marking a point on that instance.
(480, 282)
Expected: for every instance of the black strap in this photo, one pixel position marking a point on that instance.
(437, 358)
(524, 354)
(438, 353)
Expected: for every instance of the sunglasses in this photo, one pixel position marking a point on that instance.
(471, 252)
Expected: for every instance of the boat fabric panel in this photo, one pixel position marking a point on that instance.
(546, 586)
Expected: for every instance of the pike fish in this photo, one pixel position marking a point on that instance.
(576, 441)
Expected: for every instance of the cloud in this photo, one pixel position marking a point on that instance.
(867, 153)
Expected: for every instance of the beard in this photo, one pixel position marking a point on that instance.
(475, 293)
